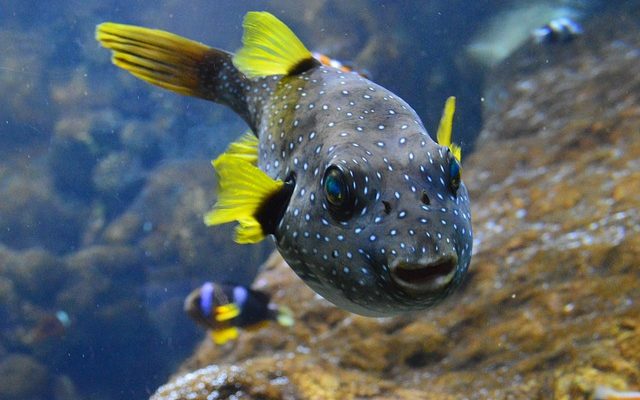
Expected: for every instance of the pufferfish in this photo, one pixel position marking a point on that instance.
(363, 205)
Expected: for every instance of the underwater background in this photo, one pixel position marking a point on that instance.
(104, 181)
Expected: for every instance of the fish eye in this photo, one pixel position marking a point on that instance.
(337, 193)
(454, 175)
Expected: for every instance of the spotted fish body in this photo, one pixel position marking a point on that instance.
(371, 212)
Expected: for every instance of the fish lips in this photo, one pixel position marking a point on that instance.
(424, 276)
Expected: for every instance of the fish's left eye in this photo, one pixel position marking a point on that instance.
(454, 175)
(337, 193)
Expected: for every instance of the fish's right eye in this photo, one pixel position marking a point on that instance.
(339, 197)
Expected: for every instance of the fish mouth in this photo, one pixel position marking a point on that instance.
(424, 277)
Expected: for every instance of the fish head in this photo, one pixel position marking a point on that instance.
(383, 225)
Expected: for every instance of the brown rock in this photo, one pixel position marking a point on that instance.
(22, 377)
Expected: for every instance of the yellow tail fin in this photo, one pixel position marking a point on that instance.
(269, 47)
(158, 57)
(243, 188)
(177, 63)
(445, 128)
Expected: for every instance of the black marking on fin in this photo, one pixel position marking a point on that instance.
(304, 65)
(272, 209)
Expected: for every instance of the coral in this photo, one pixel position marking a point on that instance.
(24, 108)
(31, 213)
(166, 221)
(118, 178)
(22, 377)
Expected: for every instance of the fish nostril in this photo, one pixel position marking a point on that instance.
(424, 197)
(387, 207)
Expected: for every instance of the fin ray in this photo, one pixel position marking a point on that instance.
(245, 148)
(269, 47)
(176, 63)
(446, 126)
(243, 188)
(158, 57)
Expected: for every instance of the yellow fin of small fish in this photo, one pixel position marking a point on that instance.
(227, 312)
(445, 127)
(245, 148)
(243, 188)
(269, 47)
(285, 316)
(158, 57)
(222, 336)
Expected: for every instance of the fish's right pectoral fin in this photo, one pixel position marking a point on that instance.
(245, 148)
(249, 196)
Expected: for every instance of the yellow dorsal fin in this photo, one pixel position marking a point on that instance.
(245, 148)
(269, 47)
(445, 127)
(222, 336)
(158, 57)
(243, 188)
(227, 312)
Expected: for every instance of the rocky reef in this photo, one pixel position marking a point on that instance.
(551, 306)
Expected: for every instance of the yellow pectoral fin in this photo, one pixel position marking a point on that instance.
(269, 47)
(243, 189)
(445, 128)
(227, 312)
(158, 57)
(245, 148)
(222, 336)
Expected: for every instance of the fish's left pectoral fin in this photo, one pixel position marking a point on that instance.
(446, 126)
(271, 48)
(249, 196)
(222, 336)
(227, 312)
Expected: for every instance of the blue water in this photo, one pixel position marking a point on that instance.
(104, 178)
